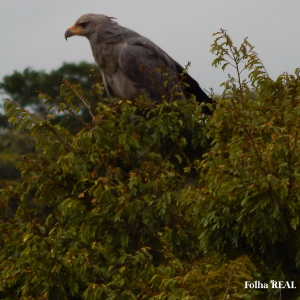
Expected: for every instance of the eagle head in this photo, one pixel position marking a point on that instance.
(87, 25)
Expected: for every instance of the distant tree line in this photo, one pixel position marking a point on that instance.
(24, 88)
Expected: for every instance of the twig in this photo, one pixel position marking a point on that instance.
(61, 138)
(79, 96)
(228, 285)
(68, 109)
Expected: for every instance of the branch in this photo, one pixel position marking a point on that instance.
(67, 108)
(79, 96)
(61, 138)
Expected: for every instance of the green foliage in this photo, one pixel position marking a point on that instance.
(249, 201)
(205, 279)
(112, 192)
(147, 201)
(23, 88)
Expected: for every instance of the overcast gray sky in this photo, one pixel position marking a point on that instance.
(32, 31)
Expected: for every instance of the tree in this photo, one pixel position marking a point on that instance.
(248, 202)
(107, 222)
(116, 215)
(23, 88)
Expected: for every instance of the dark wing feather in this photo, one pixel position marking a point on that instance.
(195, 89)
(140, 60)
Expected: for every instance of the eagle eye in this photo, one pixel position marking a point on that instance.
(83, 24)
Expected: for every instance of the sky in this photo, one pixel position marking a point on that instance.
(32, 32)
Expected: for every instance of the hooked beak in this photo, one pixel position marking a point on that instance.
(74, 30)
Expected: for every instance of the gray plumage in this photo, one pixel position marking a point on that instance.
(129, 62)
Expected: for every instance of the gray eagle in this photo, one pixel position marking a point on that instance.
(130, 64)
